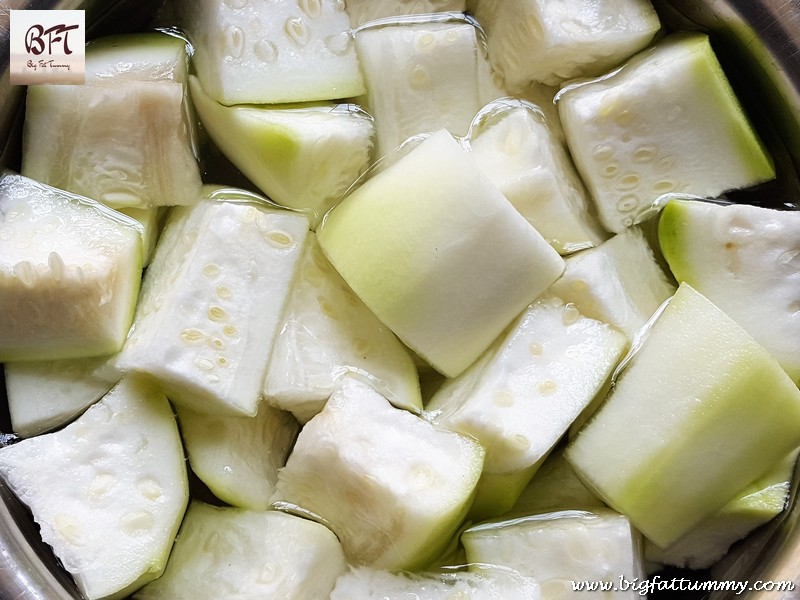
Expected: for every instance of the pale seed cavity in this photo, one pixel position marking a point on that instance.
(266, 52)
(229, 330)
(362, 347)
(150, 489)
(56, 265)
(664, 186)
(217, 313)
(137, 522)
(548, 387)
(328, 310)
(234, 41)
(503, 398)
(790, 258)
(610, 170)
(101, 484)
(536, 349)
(628, 181)
(26, 274)
(312, 8)
(339, 43)
(514, 142)
(520, 442)
(279, 239)
(211, 270)
(627, 204)
(203, 363)
(297, 31)
(603, 152)
(421, 477)
(644, 154)
(69, 528)
(223, 292)
(419, 78)
(451, 37)
(193, 336)
(571, 314)
(269, 573)
(425, 42)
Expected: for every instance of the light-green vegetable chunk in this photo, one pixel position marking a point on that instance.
(438, 253)
(563, 547)
(108, 491)
(391, 486)
(212, 301)
(700, 413)
(667, 121)
(70, 270)
(327, 333)
(272, 52)
(248, 555)
(746, 260)
(301, 156)
(238, 457)
(519, 398)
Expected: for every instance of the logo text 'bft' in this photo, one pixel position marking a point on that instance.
(47, 47)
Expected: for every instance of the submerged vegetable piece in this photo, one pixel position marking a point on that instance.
(700, 413)
(746, 260)
(238, 457)
(423, 74)
(43, 395)
(620, 282)
(327, 333)
(667, 121)
(149, 56)
(514, 146)
(212, 301)
(519, 398)
(125, 138)
(304, 157)
(438, 253)
(555, 486)
(550, 42)
(391, 486)
(108, 491)
(248, 555)
(70, 270)
(489, 583)
(272, 52)
(150, 220)
(363, 11)
(561, 548)
(704, 545)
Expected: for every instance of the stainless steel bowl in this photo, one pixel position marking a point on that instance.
(758, 42)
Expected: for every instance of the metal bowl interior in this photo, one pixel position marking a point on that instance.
(758, 42)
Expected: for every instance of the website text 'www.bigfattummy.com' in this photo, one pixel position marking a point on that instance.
(645, 587)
